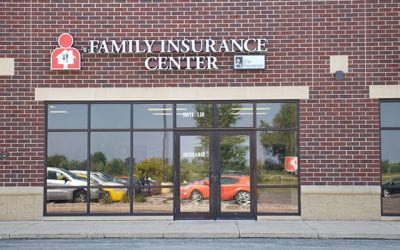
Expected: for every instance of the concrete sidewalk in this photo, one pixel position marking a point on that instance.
(200, 229)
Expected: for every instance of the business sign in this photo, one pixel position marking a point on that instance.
(173, 54)
(65, 57)
(249, 62)
(291, 164)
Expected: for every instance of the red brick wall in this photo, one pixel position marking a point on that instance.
(339, 124)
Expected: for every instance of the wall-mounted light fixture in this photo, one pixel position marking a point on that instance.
(339, 65)
(3, 155)
(339, 75)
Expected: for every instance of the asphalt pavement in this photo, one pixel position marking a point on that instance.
(198, 244)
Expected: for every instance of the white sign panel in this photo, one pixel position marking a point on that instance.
(249, 62)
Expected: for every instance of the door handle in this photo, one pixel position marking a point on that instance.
(214, 178)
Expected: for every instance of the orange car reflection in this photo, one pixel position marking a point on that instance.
(232, 188)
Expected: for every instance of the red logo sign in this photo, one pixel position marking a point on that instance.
(291, 164)
(65, 57)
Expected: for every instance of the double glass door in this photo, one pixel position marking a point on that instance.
(214, 177)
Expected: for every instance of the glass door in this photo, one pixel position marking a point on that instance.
(235, 189)
(213, 176)
(193, 196)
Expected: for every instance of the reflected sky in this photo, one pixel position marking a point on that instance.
(115, 145)
(152, 116)
(267, 111)
(73, 145)
(110, 116)
(390, 146)
(390, 114)
(67, 116)
(152, 144)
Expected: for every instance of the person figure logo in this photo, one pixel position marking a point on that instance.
(239, 62)
(65, 57)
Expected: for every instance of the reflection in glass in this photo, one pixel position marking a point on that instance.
(276, 115)
(390, 148)
(276, 158)
(390, 114)
(113, 199)
(194, 172)
(110, 116)
(235, 173)
(62, 158)
(152, 152)
(158, 200)
(194, 115)
(61, 201)
(67, 116)
(277, 200)
(152, 116)
(390, 166)
(234, 115)
(109, 162)
(67, 150)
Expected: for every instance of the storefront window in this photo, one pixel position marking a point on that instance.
(230, 115)
(113, 116)
(109, 171)
(276, 115)
(390, 157)
(153, 171)
(67, 116)
(152, 116)
(277, 158)
(62, 159)
(118, 158)
(198, 115)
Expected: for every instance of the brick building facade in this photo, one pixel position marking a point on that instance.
(339, 145)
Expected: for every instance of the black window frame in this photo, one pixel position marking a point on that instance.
(382, 128)
(131, 186)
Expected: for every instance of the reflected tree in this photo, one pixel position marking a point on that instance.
(154, 168)
(279, 144)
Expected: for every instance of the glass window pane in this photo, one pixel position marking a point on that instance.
(194, 115)
(390, 114)
(109, 166)
(390, 167)
(62, 158)
(153, 200)
(67, 116)
(276, 115)
(277, 200)
(152, 116)
(110, 116)
(234, 115)
(59, 201)
(276, 158)
(61, 153)
(113, 199)
(153, 155)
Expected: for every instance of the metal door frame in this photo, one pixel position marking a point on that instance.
(214, 173)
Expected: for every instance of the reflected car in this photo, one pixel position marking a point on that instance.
(232, 188)
(58, 177)
(391, 187)
(114, 191)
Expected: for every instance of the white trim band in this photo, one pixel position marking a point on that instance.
(172, 94)
(384, 91)
(305, 189)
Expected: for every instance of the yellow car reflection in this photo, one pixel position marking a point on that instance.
(112, 191)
